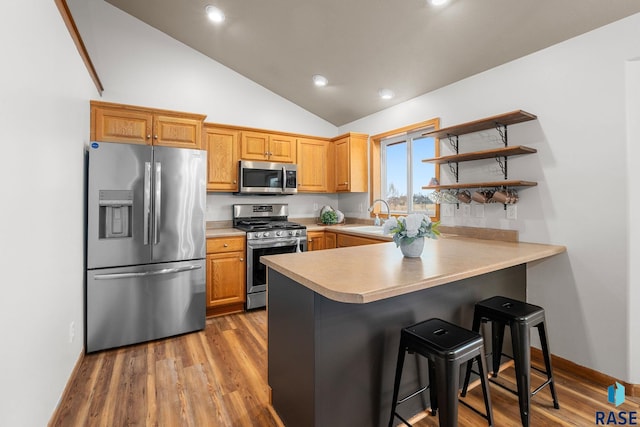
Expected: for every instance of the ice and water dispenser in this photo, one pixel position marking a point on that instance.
(116, 208)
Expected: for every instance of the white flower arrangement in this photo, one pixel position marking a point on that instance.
(406, 229)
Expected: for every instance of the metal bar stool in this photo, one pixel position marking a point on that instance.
(520, 317)
(446, 347)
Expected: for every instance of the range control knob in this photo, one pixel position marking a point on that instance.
(279, 233)
(266, 234)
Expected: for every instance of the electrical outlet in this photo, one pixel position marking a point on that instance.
(360, 207)
(478, 211)
(315, 206)
(466, 210)
(72, 331)
(512, 212)
(447, 210)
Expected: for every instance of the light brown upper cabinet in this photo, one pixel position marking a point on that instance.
(315, 165)
(139, 125)
(267, 147)
(351, 163)
(222, 147)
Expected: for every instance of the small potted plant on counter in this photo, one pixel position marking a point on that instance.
(409, 232)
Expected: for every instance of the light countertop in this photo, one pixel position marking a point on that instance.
(363, 274)
(223, 232)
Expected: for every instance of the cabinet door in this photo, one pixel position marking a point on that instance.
(351, 163)
(330, 240)
(342, 163)
(254, 146)
(225, 279)
(345, 240)
(222, 159)
(181, 132)
(119, 125)
(312, 165)
(315, 240)
(282, 149)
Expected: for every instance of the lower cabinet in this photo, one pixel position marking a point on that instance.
(344, 240)
(315, 240)
(330, 240)
(226, 273)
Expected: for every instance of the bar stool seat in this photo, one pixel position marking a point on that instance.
(520, 317)
(446, 347)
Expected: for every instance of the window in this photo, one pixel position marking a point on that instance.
(398, 173)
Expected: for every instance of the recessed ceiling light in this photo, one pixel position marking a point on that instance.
(319, 80)
(215, 14)
(438, 2)
(386, 93)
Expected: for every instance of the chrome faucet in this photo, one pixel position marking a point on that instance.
(385, 203)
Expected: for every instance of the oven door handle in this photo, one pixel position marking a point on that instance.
(273, 243)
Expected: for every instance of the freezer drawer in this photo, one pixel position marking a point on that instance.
(128, 305)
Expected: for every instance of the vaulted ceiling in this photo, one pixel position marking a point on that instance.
(362, 46)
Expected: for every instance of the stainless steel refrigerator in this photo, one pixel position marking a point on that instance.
(145, 243)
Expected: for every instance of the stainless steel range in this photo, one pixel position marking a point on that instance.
(269, 232)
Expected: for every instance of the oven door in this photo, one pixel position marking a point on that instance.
(257, 272)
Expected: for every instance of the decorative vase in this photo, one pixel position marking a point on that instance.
(413, 249)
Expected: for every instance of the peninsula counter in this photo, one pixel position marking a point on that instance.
(334, 320)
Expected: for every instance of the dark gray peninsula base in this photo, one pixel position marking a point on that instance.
(332, 363)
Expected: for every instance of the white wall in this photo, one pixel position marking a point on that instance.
(44, 88)
(139, 65)
(577, 89)
(633, 158)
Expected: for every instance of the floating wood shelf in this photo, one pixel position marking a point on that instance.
(486, 154)
(506, 119)
(511, 183)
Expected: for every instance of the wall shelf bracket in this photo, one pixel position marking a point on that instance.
(452, 143)
(502, 162)
(502, 130)
(453, 167)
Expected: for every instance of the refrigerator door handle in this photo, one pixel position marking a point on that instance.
(157, 201)
(146, 202)
(113, 276)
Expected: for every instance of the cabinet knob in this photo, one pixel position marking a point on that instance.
(226, 245)
(235, 182)
(155, 136)
(241, 259)
(346, 182)
(148, 136)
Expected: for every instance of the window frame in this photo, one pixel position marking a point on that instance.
(375, 159)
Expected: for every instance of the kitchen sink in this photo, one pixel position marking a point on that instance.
(367, 229)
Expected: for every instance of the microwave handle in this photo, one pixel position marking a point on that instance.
(284, 178)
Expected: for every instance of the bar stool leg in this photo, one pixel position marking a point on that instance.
(482, 370)
(447, 388)
(396, 382)
(497, 338)
(522, 359)
(433, 395)
(547, 362)
(467, 376)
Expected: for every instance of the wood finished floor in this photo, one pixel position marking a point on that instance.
(218, 377)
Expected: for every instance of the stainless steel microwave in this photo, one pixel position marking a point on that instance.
(268, 178)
